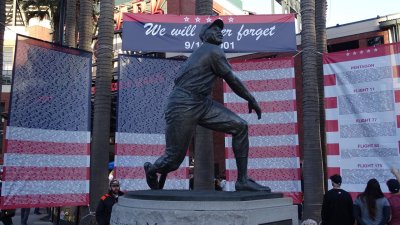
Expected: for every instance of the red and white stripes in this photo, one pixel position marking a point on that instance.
(45, 168)
(133, 150)
(362, 111)
(274, 147)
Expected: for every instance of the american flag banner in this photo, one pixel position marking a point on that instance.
(274, 146)
(362, 105)
(144, 87)
(46, 160)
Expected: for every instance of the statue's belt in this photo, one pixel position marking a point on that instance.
(193, 95)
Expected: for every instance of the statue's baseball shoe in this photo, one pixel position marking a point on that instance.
(151, 179)
(250, 185)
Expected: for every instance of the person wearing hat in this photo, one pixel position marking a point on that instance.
(190, 104)
(337, 206)
(104, 209)
(394, 199)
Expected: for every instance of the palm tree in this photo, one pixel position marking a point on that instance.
(73, 15)
(320, 27)
(86, 24)
(312, 156)
(70, 24)
(203, 147)
(204, 7)
(102, 100)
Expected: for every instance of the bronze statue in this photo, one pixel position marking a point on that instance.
(190, 104)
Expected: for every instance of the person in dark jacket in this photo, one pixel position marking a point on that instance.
(104, 209)
(337, 206)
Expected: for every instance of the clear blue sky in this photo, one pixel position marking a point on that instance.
(347, 11)
(339, 11)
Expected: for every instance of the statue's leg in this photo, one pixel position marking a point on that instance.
(178, 135)
(222, 119)
(161, 181)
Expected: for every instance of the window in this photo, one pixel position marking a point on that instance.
(343, 46)
(8, 57)
(378, 40)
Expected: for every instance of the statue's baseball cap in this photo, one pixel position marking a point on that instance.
(337, 179)
(217, 22)
(393, 185)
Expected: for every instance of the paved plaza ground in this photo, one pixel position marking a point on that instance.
(33, 219)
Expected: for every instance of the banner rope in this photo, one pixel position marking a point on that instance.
(316, 52)
(298, 52)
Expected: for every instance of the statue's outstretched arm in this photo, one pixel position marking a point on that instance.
(240, 89)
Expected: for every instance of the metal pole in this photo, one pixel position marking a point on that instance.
(14, 18)
(61, 25)
(272, 6)
(77, 215)
(397, 30)
(58, 215)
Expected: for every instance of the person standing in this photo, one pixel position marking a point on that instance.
(104, 209)
(371, 207)
(337, 205)
(394, 199)
(6, 215)
(25, 215)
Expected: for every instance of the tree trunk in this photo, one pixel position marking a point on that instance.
(102, 103)
(203, 148)
(56, 24)
(312, 157)
(204, 7)
(203, 159)
(86, 24)
(320, 27)
(70, 24)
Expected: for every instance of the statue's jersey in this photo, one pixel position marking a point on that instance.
(198, 73)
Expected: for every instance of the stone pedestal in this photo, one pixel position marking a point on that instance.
(169, 207)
